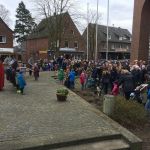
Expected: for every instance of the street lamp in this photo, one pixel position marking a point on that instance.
(107, 30)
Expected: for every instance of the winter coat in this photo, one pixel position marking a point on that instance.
(21, 81)
(61, 75)
(94, 73)
(82, 78)
(36, 71)
(127, 82)
(136, 75)
(1, 76)
(105, 77)
(72, 76)
(115, 90)
(113, 75)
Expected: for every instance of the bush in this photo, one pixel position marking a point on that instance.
(129, 113)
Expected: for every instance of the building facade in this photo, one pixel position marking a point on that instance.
(6, 40)
(119, 42)
(39, 46)
(141, 31)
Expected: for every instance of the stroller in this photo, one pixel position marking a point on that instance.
(136, 95)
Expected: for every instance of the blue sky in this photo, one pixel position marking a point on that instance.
(121, 11)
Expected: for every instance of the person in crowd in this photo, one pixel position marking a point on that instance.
(113, 76)
(105, 81)
(82, 80)
(144, 75)
(128, 83)
(36, 71)
(1, 74)
(147, 105)
(30, 70)
(21, 82)
(136, 74)
(72, 79)
(115, 89)
(61, 75)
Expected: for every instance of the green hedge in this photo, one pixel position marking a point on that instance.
(129, 113)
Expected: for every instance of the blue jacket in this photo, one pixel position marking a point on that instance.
(21, 81)
(72, 76)
(148, 94)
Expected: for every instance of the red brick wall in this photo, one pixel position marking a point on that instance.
(34, 46)
(67, 35)
(5, 31)
(141, 30)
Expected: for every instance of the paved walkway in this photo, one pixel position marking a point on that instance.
(36, 118)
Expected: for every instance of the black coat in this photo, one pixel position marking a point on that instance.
(128, 83)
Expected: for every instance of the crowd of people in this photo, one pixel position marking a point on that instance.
(106, 77)
(109, 77)
(15, 73)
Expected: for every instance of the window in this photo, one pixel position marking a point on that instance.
(120, 38)
(75, 44)
(66, 44)
(2, 39)
(109, 37)
(72, 32)
(127, 47)
(124, 38)
(113, 46)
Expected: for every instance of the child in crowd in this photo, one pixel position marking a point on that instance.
(83, 80)
(36, 71)
(72, 79)
(21, 82)
(115, 90)
(61, 75)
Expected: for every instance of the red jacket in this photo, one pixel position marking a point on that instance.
(82, 78)
(1, 76)
(115, 90)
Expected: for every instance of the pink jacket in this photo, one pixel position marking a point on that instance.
(82, 78)
(115, 90)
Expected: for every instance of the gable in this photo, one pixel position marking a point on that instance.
(42, 28)
(4, 27)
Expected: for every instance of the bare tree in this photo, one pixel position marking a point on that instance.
(53, 12)
(4, 14)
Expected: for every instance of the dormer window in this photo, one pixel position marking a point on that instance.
(120, 38)
(2, 39)
(109, 37)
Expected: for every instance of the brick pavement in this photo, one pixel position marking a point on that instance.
(37, 119)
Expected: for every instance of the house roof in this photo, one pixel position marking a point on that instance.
(41, 31)
(114, 32)
(1, 20)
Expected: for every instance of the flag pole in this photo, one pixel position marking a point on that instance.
(107, 30)
(87, 31)
(96, 47)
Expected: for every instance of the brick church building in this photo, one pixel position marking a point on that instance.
(141, 31)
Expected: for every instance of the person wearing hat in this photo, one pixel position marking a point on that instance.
(1, 74)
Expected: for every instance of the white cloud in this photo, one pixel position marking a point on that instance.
(121, 11)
